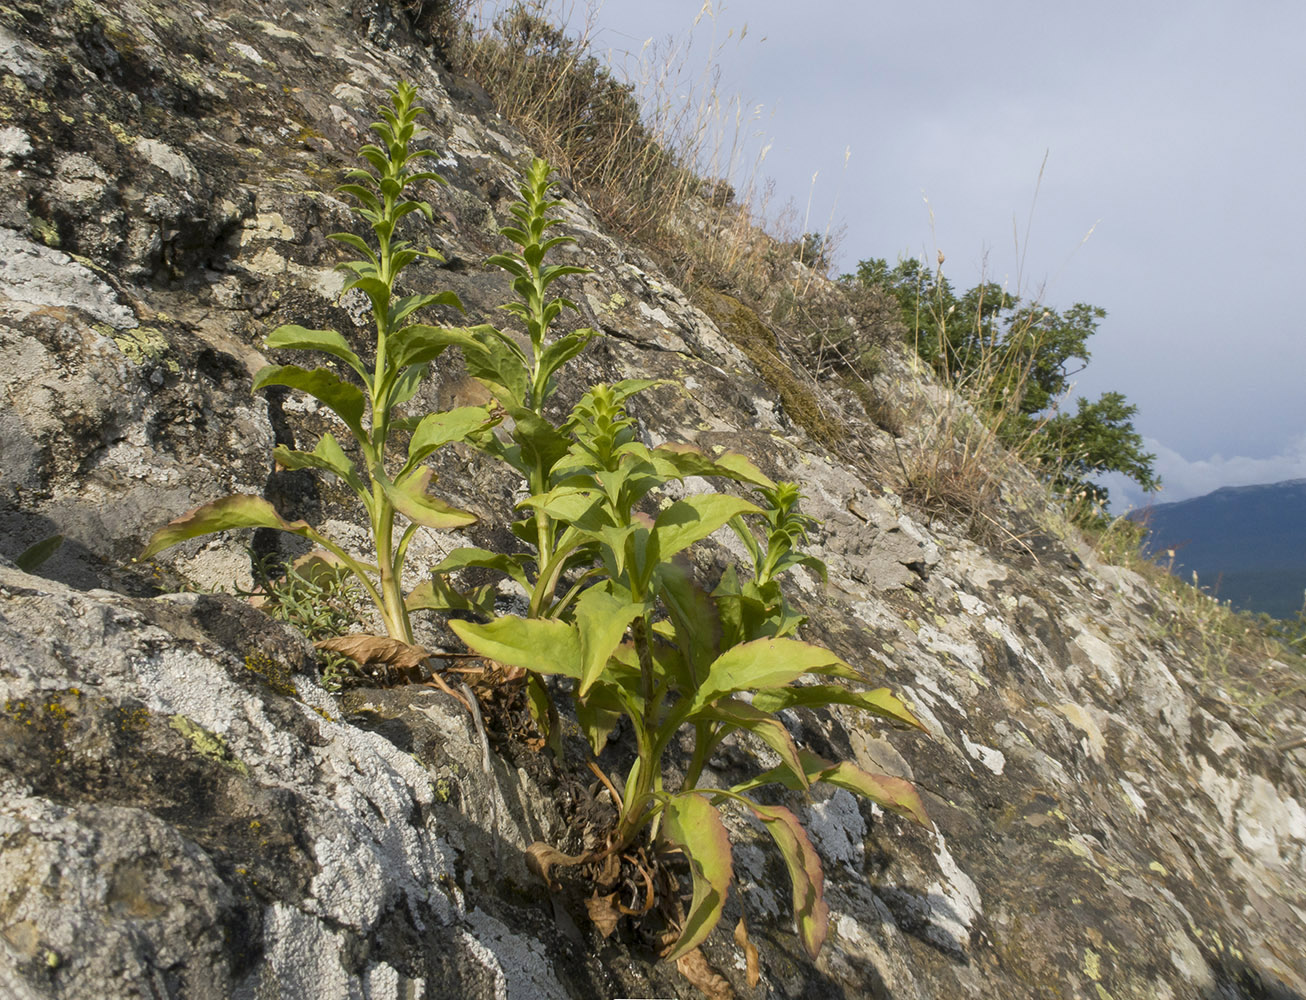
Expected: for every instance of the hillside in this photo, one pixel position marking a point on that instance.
(1247, 544)
(194, 803)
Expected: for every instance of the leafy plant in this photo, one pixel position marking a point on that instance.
(404, 351)
(614, 610)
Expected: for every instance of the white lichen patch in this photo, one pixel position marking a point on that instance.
(954, 902)
(173, 163)
(993, 759)
(1271, 826)
(248, 51)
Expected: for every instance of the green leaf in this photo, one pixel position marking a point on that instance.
(695, 517)
(541, 645)
(601, 619)
(416, 344)
(683, 460)
(500, 365)
(34, 555)
(410, 303)
(694, 825)
(411, 499)
(598, 713)
(438, 429)
(346, 400)
(563, 350)
(298, 338)
(239, 511)
(763, 725)
(468, 557)
(881, 701)
(810, 909)
(406, 386)
(766, 663)
(437, 594)
(327, 456)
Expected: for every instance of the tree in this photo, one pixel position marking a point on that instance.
(1017, 359)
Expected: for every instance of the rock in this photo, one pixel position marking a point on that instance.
(187, 812)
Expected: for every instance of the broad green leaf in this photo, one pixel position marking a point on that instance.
(695, 517)
(541, 443)
(406, 386)
(810, 910)
(467, 556)
(766, 663)
(697, 626)
(438, 429)
(417, 343)
(541, 645)
(327, 456)
(500, 364)
(298, 338)
(436, 594)
(345, 399)
(34, 555)
(763, 725)
(239, 511)
(405, 306)
(690, 460)
(598, 713)
(602, 618)
(411, 499)
(691, 823)
(881, 701)
(564, 349)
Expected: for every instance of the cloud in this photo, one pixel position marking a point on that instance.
(1184, 478)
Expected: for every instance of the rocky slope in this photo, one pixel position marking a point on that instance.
(187, 813)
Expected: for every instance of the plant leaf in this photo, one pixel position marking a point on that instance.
(751, 958)
(603, 913)
(417, 343)
(895, 794)
(601, 619)
(346, 400)
(763, 725)
(411, 499)
(32, 556)
(695, 967)
(327, 456)
(694, 825)
(800, 857)
(239, 511)
(365, 649)
(541, 645)
(438, 429)
(766, 663)
(298, 338)
(695, 517)
(880, 701)
(463, 558)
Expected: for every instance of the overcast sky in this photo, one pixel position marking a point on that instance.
(1174, 133)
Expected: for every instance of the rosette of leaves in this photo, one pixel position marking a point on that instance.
(638, 638)
(366, 396)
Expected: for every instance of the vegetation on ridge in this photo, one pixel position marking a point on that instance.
(612, 607)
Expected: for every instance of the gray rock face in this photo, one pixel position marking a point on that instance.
(186, 813)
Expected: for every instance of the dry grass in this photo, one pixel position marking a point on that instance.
(647, 144)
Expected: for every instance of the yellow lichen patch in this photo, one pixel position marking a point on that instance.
(276, 673)
(1159, 868)
(207, 744)
(145, 347)
(1092, 964)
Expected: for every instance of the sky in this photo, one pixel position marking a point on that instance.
(1143, 157)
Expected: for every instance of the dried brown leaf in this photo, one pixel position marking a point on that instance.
(694, 966)
(540, 858)
(742, 939)
(365, 649)
(604, 913)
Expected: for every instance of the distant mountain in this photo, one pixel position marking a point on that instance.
(1247, 544)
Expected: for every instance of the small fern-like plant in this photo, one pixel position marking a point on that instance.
(366, 397)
